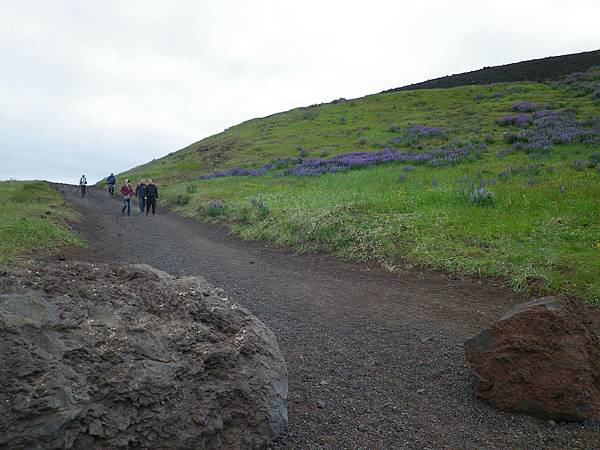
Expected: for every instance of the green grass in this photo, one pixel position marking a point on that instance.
(537, 237)
(33, 219)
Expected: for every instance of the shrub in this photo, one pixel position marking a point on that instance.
(524, 107)
(594, 159)
(181, 199)
(191, 188)
(302, 152)
(310, 115)
(479, 196)
(215, 208)
(259, 204)
(324, 153)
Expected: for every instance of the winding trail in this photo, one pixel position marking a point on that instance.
(375, 360)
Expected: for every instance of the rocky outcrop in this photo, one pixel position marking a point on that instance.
(541, 358)
(93, 356)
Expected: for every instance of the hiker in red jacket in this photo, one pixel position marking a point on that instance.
(127, 192)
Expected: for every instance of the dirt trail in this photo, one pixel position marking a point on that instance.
(375, 360)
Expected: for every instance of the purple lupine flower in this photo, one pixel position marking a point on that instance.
(550, 128)
(519, 120)
(424, 130)
(447, 154)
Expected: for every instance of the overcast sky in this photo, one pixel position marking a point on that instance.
(99, 87)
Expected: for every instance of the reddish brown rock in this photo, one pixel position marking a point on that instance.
(542, 359)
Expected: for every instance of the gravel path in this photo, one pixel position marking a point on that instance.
(375, 360)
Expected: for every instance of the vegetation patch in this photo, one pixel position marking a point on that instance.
(33, 218)
(500, 180)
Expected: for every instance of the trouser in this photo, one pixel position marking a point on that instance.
(150, 202)
(142, 203)
(126, 206)
(83, 190)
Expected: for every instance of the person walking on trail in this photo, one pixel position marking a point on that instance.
(83, 184)
(111, 180)
(151, 196)
(127, 192)
(140, 193)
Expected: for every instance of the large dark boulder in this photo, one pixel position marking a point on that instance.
(93, 356)
(541, 358)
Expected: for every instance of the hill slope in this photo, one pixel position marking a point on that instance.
(33, 220)
(497, 180)
(539, 70)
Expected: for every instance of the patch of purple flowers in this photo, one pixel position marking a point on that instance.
(442, 156)
(561, 128)
(519, 120)
(254, 172)
(424, 131)
(445, 155)
(413, 133)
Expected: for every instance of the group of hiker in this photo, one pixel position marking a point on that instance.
(146, 193)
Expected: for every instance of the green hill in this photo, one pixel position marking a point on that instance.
(499, 180)
(33, 220)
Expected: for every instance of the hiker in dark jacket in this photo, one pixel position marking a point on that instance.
(140, 193)
(127, 192)
(151, 196)
(111, 180)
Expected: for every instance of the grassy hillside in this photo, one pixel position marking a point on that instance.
(499, 180)
(32, 219)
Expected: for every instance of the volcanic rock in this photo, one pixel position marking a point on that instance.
(542, 359)
(98, 356)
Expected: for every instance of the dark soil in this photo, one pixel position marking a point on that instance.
(540, 70)
(375, 360)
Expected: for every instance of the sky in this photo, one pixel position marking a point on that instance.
(98, 87)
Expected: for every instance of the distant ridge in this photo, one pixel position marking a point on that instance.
(533, 70)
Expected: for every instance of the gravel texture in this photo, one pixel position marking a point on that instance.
(375, 360)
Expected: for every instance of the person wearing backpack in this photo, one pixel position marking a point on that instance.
(151, 196)
(126, 192)
(83, 184)
(111, 180)
(140, 193)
